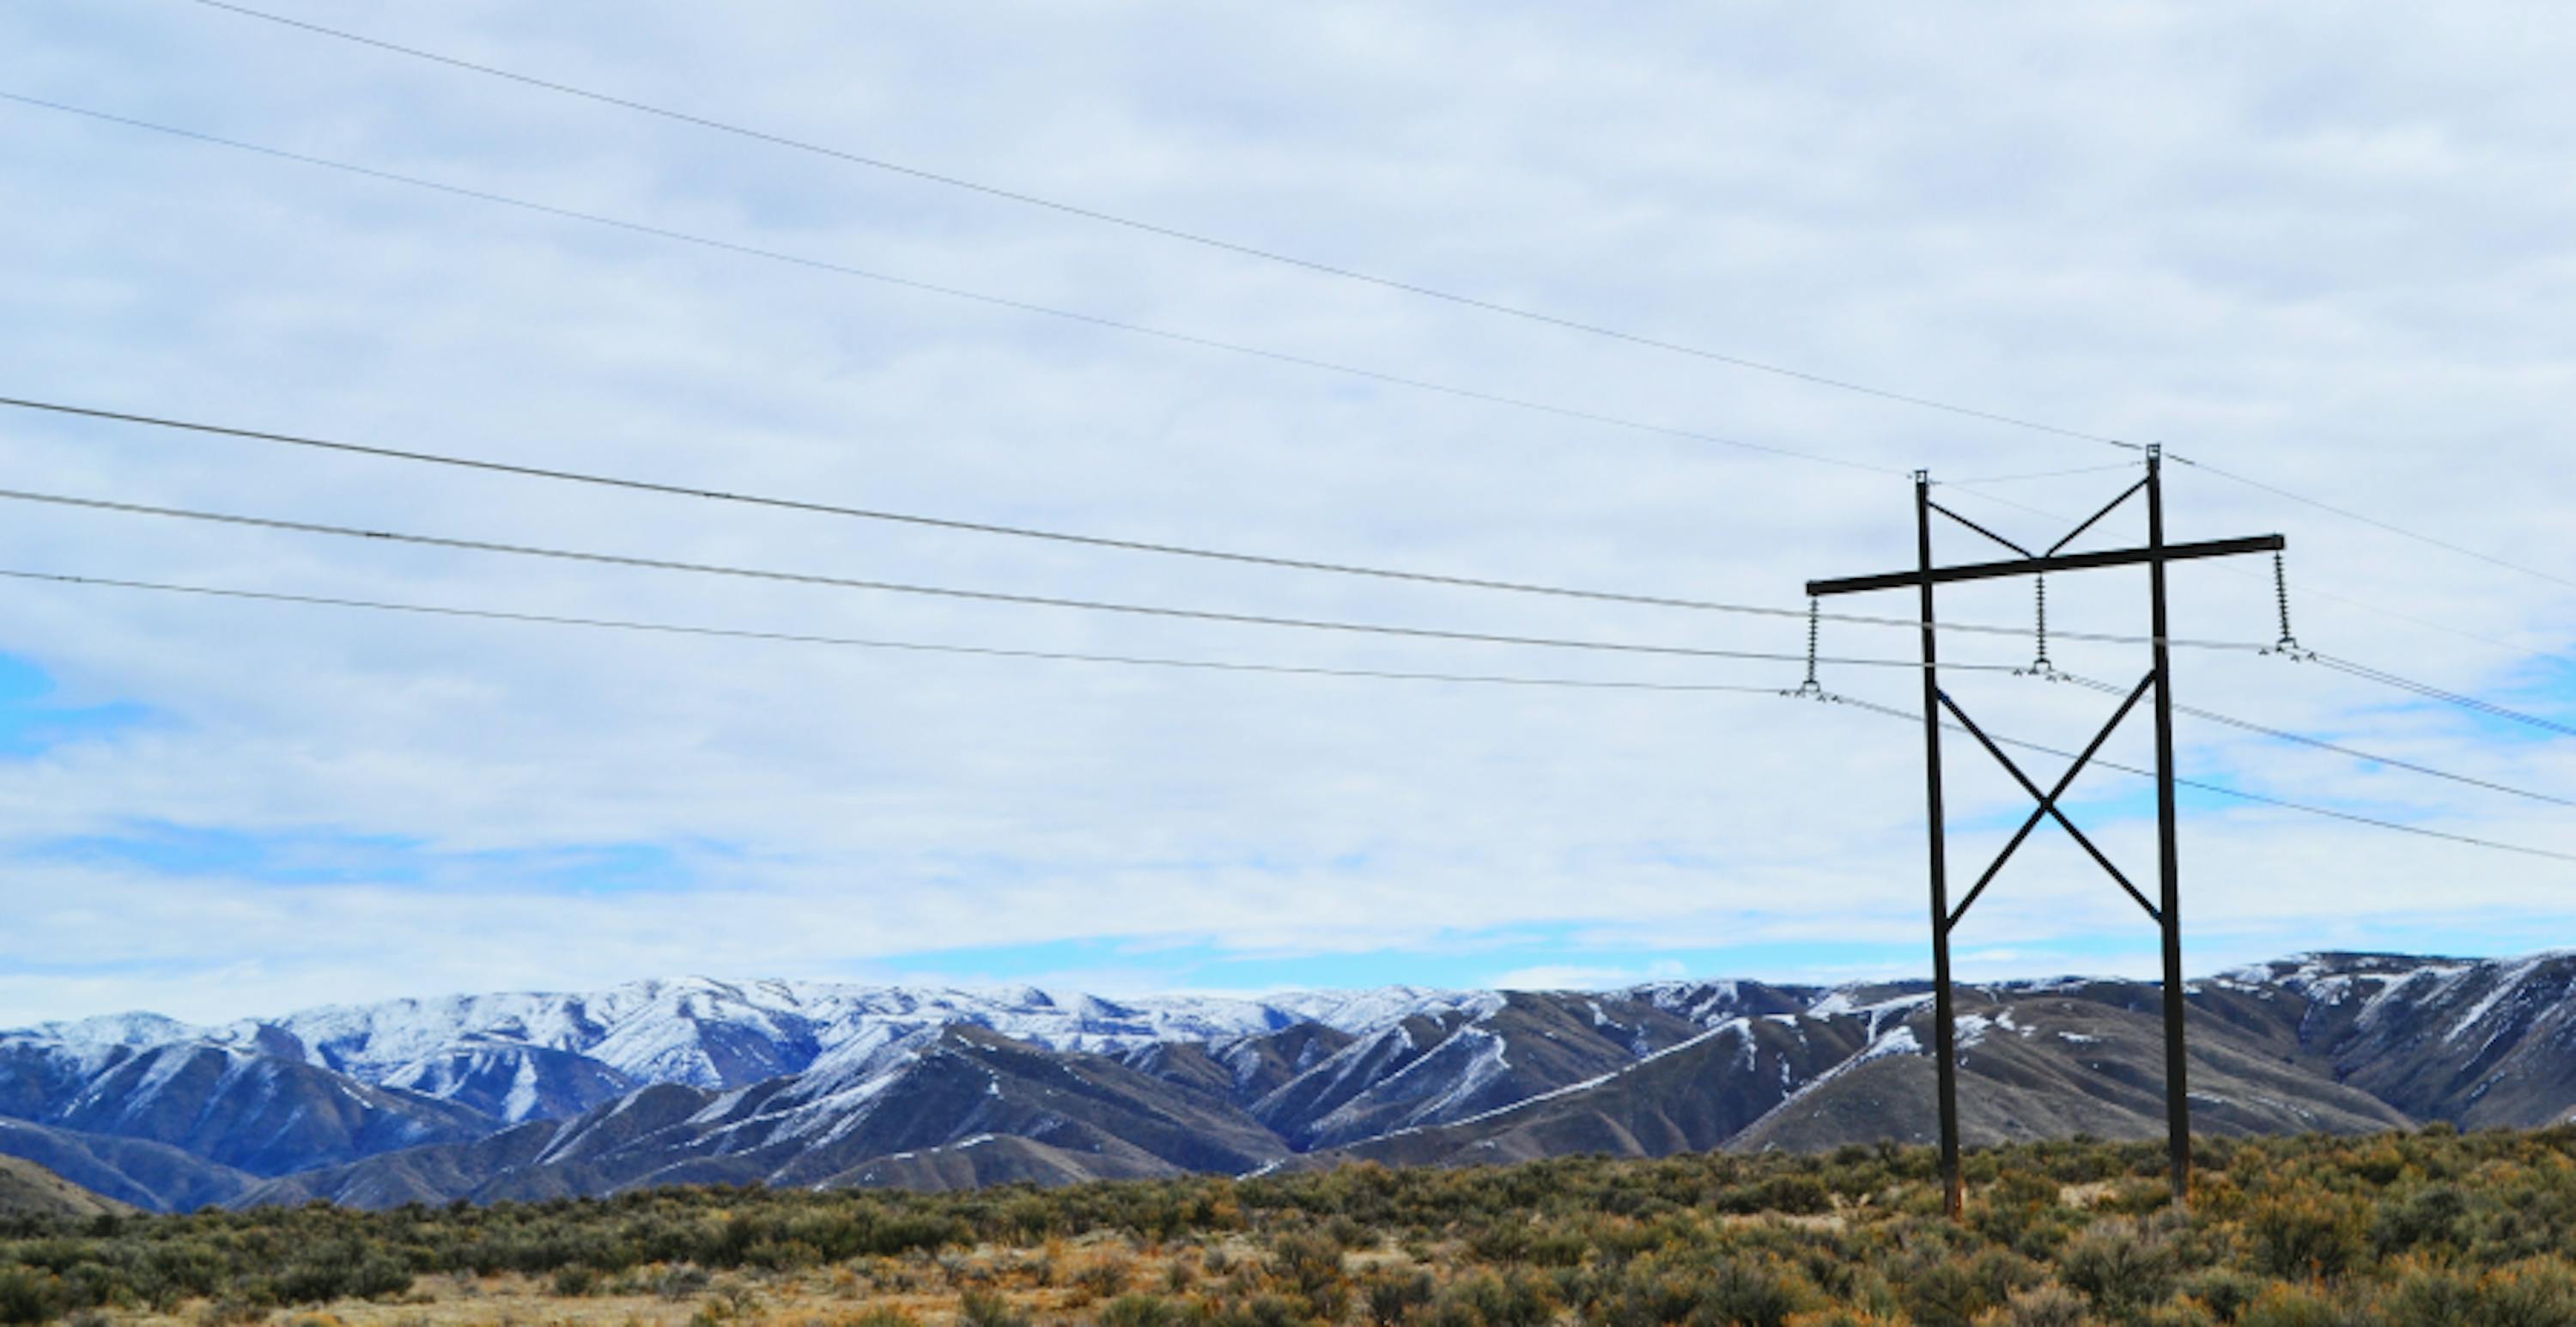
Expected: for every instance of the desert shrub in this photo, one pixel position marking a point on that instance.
(344, 1270)
(2427, 1226)
(2019, 1187)
(2537, 1293)
(1799, 1195)
(2182, 1312)
(1754, 1293)
(1562, 1245)
(1941, 1292)
(2119, 1266)
(1643, 1293)
(2225, 1291)
(1391, 1297)
(1516, 1298)
(230, 1311)
(986, 1308)
(1262, 1311)
(2429, 1297)
(1105, 1277)
(1949, 1291)
(28, 1296)
(2427, 1214)
(682, 1282)
(1307, 1262)
(2043, 1306)
(1140, 1311)
(2293, 1306)
(2306, 1235)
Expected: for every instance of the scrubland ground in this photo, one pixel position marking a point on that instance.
(2381, 1231)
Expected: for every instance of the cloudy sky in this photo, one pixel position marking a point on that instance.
(2319, 247)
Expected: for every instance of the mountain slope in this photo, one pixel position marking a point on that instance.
(1694, 1096)
(229, 1105)
(27, 1189)
(534, 1096)
(151, 1176)
(1095, 1117)
(2478, 1044)
(1427, 1071)
(2058, 1062)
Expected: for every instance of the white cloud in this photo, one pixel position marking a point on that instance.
(2313, 245)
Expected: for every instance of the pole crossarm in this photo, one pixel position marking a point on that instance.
(2048, 807)
(2118, 557)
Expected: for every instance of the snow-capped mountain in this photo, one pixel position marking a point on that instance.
(815, 1083)
(704, 1033)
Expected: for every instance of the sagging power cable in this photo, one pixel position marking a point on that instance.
(871, 643)
(952, 292)
(1157, 229)
(944, 592)
(1342, 272)
(2223, 790)
(811, 507)
(2428, 691)
(2302, 739)
(666, 628)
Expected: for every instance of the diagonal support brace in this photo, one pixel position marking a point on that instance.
(2089, 521)
(2048, 801)
(1981, 529)
(2048, 804)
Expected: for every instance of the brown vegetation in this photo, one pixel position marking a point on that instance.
(2393, 1230)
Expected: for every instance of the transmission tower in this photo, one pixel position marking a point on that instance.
(2166, 908)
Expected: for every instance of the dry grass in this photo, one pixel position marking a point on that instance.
(2386, 1231)
(1052, 1282)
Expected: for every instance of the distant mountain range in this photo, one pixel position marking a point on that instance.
(667, 1082)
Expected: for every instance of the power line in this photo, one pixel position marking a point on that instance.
(800, 638)
(1058, 536)
(1196, 664)
(1184, 338)
(2248, 725)
(1312, 265)
(2378, 524)
(1342, 272)
(2430, 692)
(664, 628)
(953, 292)
(944, 592)
(2225, 791)
(2353, 668)
(1166, 232)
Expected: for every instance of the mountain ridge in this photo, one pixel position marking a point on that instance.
(826, 1084)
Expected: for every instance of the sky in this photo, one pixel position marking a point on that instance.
(2318, 247)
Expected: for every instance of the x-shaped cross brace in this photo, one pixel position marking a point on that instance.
(2048, 801)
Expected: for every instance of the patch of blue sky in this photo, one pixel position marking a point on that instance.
(2130, 798)
(34, 721)
(1572, 956)
(1459, 960)
(304, 857)
(2541, 685)
(2492, 933)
